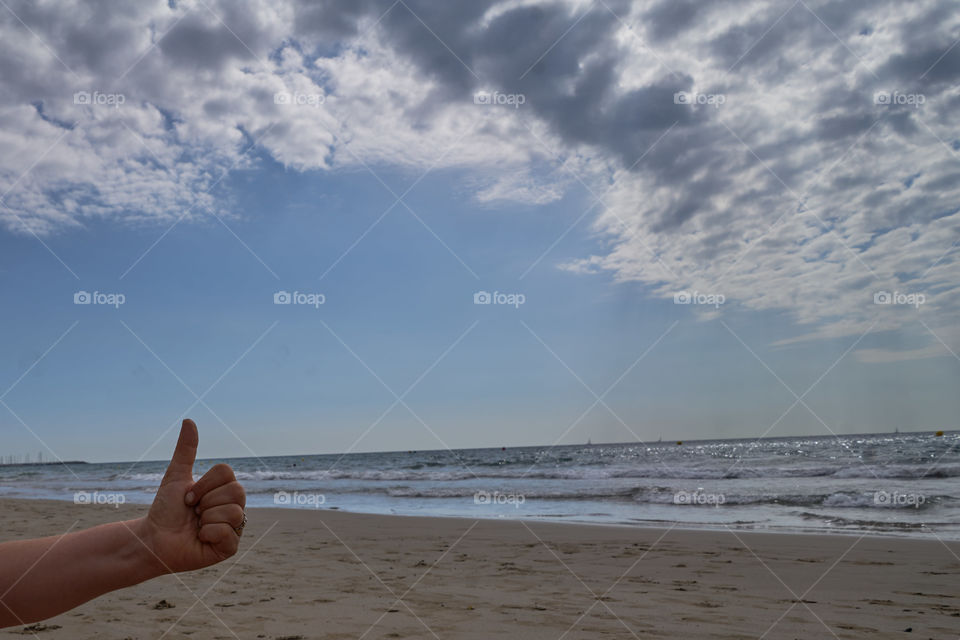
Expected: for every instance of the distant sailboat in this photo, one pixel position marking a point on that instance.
(589, 444)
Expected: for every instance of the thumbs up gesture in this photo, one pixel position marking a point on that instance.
(192, 525)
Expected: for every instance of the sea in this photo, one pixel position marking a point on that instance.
(904, 484)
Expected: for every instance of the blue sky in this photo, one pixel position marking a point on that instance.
(199, 300)
(199, 207)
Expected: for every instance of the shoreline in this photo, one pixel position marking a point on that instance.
(915, 535)
(328, 573)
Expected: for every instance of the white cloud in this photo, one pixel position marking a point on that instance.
(874, 356)
(181, 127)
(797, 193)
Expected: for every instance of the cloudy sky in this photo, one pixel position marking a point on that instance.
(701, 219)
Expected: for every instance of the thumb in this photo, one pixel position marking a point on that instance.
(181, 464)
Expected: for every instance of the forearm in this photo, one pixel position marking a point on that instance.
(43, 577)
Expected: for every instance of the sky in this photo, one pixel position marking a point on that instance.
(360, 226)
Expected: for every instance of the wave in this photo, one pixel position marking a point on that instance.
(665, 496)
(900, 471)
(861, 523)
(384, 475)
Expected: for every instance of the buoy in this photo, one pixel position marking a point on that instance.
(939, 434)
(679, 441)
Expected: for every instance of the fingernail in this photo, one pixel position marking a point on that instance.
(189, 498)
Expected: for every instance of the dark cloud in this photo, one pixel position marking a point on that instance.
(783, 38)
(844, 125)
(917, 29)
(669, 18)
(568, 74)
(930, 67)
(574, 86)
(434, 35)
(195, 43)
(332, 19)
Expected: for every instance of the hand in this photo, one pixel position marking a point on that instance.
(193, 525)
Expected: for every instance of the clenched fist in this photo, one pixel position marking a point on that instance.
(192, 525)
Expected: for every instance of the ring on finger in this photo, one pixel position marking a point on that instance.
(239, 529)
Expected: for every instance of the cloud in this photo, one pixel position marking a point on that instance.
(795, 158)
(139, 115)
(874, 356)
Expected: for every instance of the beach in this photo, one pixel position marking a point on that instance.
(328, 574)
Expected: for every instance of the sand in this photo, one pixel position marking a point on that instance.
(328, 574)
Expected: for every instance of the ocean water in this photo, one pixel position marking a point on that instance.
(889, 484)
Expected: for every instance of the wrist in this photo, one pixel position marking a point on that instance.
(142, 550)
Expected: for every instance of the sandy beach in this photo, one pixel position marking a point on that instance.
(326, 574)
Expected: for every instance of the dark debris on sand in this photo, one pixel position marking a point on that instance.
(37, 628)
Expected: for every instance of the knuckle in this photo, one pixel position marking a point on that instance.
(231, 544)
(223, 470)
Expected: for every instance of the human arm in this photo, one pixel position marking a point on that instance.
(43, 577)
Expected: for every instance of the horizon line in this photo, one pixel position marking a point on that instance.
(678, 442)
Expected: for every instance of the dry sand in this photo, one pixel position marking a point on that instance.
(327, 574)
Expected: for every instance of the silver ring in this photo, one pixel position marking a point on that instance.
(239, 529)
